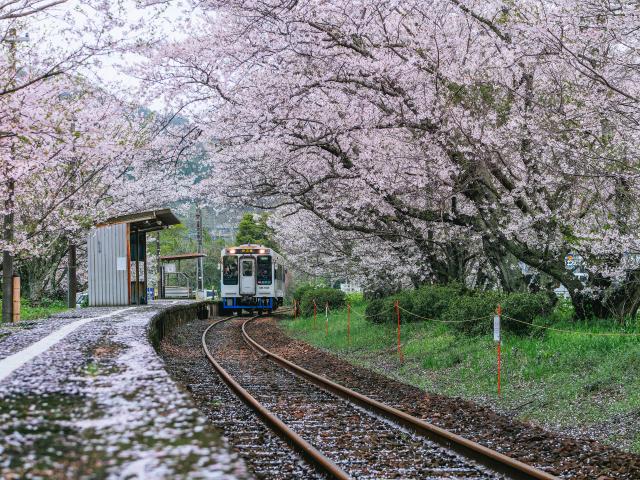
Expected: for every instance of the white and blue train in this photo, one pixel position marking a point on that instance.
(252, 279)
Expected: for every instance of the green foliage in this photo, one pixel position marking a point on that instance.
(301, 289)
(426, 302)
(467, 311)
(432, 301)
(355, 298)
(257, 232)
(525, 307)
(375, 310)
(322, 296)
(473, 313)
(45, 308)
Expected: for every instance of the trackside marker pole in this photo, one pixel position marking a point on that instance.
(348, 324)
(498, 340)
(397, 306)
(326, 317)
(315, 314)
(16, 299)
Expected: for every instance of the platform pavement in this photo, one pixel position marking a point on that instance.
(98, 403)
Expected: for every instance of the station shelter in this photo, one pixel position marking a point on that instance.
(175, 283)
(117, 257)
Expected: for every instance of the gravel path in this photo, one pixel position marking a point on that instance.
(99, 404)
(563, 456)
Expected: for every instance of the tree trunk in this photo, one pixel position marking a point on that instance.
(505, 266)
(620, 301)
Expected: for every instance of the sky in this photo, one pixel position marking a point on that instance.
(164, 21)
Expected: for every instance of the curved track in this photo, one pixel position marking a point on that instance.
(350, 438)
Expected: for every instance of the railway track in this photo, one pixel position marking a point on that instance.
(343, 433)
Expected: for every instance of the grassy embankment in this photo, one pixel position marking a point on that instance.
(35, 312)
(556, 379)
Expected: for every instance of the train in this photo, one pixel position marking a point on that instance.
(252, 279)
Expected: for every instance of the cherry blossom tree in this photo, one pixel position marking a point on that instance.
(459, 133)
(72, 152)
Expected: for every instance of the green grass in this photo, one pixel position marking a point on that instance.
(560, 380)
(35, 312)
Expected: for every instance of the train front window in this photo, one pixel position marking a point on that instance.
(247, 269)
(264, 270)
(230, 270)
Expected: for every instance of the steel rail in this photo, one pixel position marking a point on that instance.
(468, 448)
(292, 438)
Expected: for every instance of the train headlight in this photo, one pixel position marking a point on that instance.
(262, 250)
(232, 251)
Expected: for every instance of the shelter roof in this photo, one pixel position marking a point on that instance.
(149, 221)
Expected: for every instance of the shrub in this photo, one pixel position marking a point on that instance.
(431, 301)
(335, 298)
(355, 297)
(481, 305)
(525, 307)
(299, 292)
(469, 311)
(374, 310)
(472, 313)
(428, 301)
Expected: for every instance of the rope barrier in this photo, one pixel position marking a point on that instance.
(392, 310)
(442, 321)
(575, 332)
(543, 327)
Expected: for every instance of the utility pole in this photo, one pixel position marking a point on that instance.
(200, 263)
(159, 269)
(7, 234)
(72, 285)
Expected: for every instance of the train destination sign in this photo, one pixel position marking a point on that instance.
(253, 251)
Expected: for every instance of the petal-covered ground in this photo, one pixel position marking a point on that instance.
(98, 403)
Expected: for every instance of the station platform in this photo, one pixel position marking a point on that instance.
(84, 395)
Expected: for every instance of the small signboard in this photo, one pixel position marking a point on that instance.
(496, 328)
(169, 268)
(121, 264)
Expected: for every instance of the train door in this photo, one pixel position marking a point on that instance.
(247, 276)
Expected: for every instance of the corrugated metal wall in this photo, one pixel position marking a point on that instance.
(108, 264)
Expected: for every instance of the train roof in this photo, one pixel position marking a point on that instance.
(249, 248)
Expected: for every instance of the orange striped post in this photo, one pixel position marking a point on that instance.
(397, 307)
(348, 324)
(326, 316)
(315, 314)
